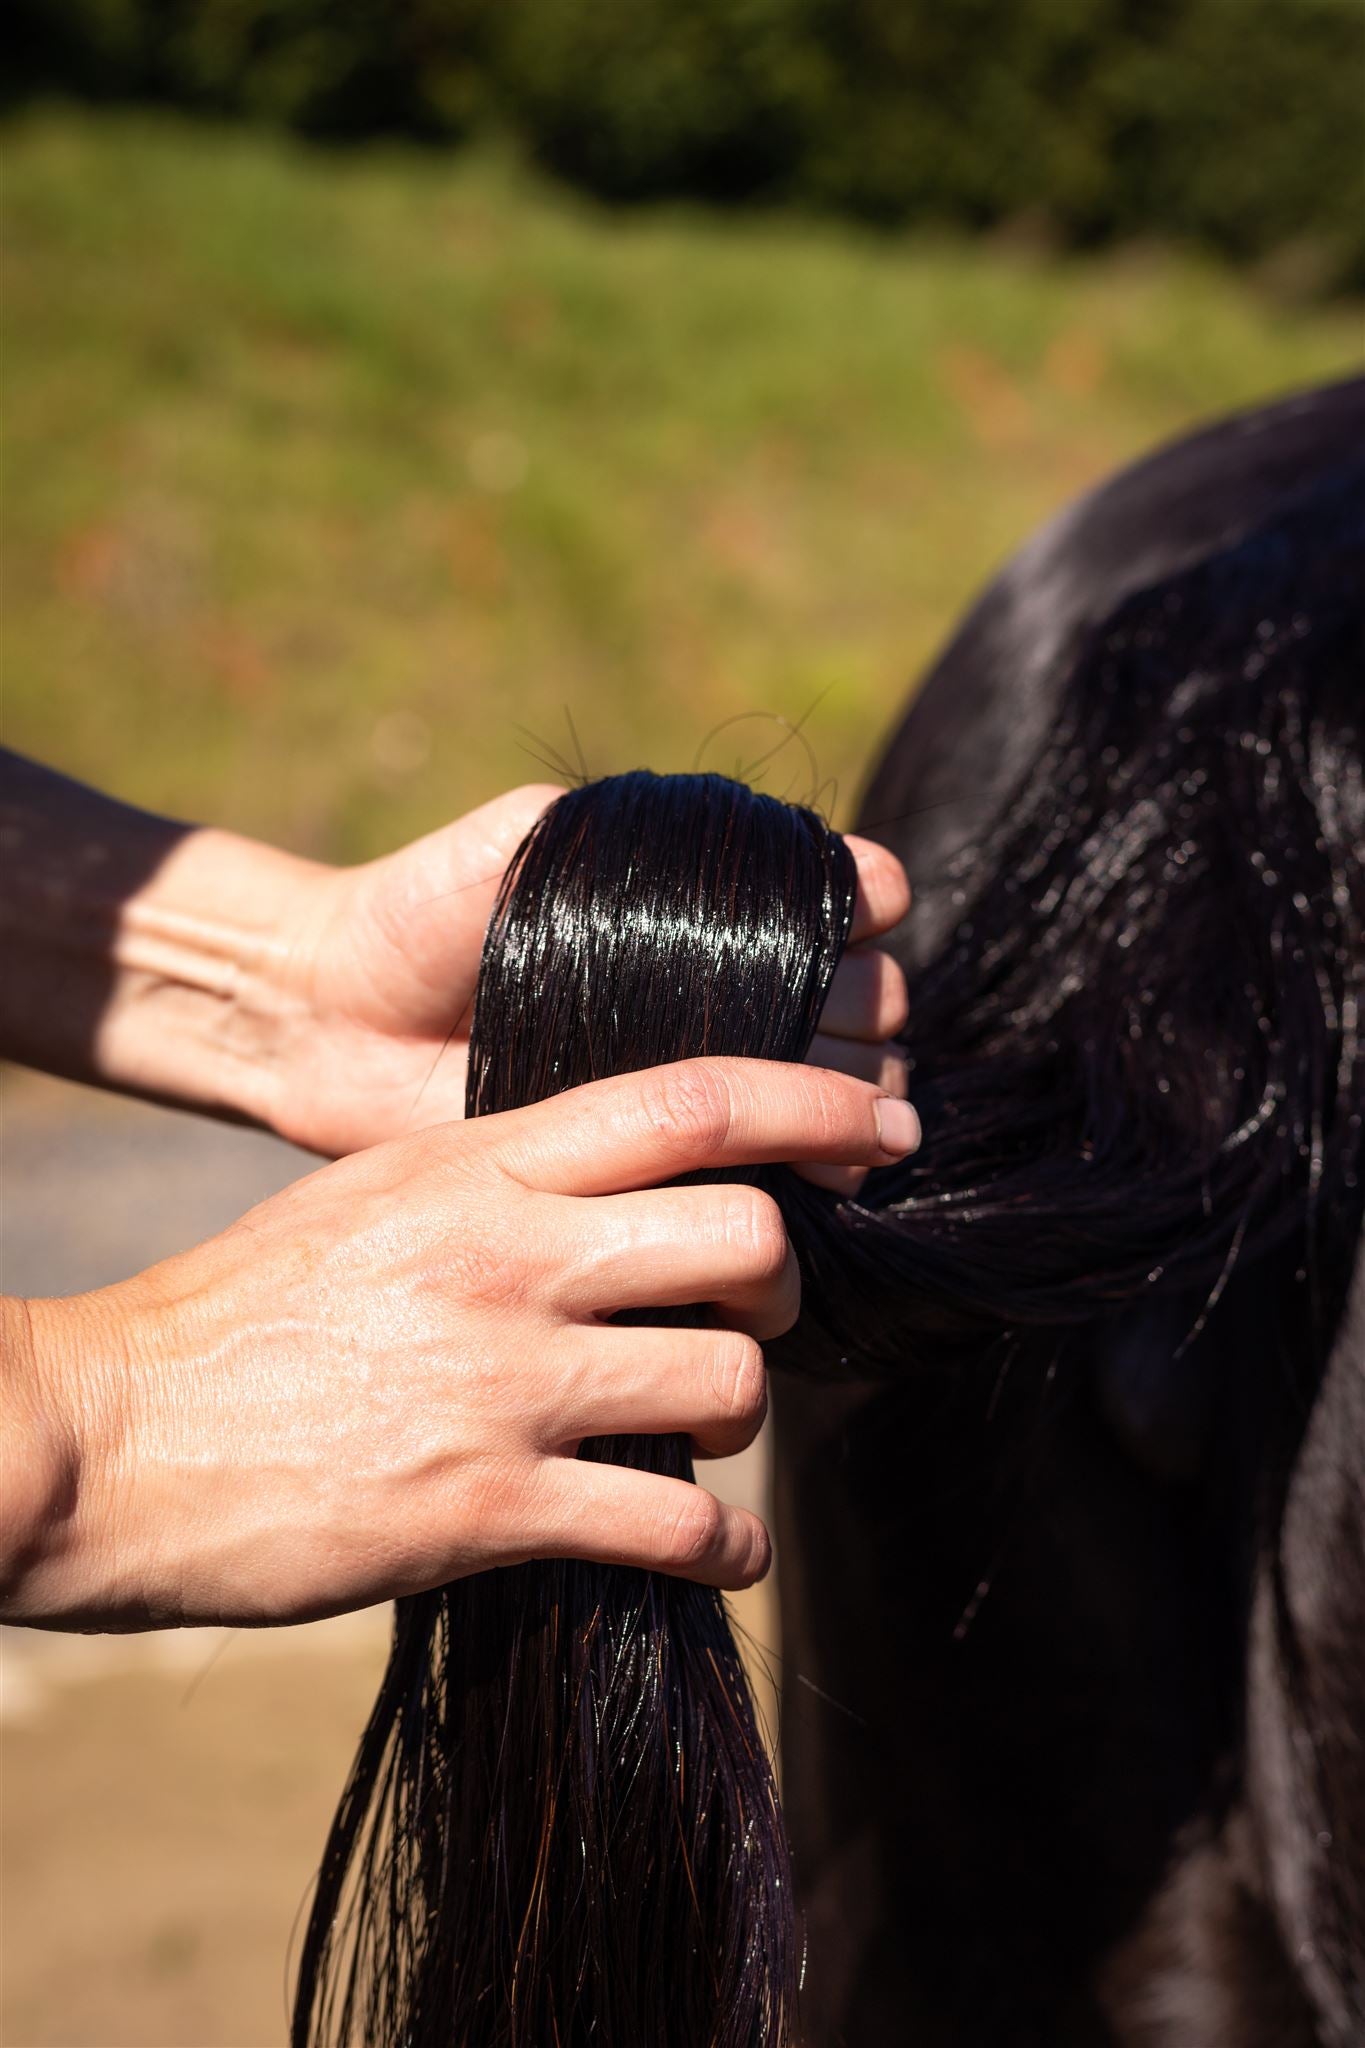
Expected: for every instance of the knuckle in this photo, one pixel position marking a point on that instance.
(691, 1102)
(429, 1155)
(754, 1223)
(487, 1268)
(691, 1532)
(451, 1157)
(740, 1379)
(760, 1554)
(827, 1107)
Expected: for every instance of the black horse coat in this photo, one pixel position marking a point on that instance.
(1073, 1708)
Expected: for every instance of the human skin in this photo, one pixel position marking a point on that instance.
(378, 1379)
(332, 1005)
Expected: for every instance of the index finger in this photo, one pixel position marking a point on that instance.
(635, 1130)
(883, 889)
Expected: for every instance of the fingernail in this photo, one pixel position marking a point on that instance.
(895, 1075)
(897, 1126)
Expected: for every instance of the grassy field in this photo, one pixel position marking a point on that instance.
(329, 478)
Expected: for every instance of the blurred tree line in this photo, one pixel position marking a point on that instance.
(1232, 123)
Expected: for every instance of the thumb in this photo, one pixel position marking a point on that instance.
(429, 903)
(443, 886)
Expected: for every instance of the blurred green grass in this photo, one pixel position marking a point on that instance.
(328, 476)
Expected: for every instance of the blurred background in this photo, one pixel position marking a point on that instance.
(402, 396)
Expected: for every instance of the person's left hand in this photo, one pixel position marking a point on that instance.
(375, 972)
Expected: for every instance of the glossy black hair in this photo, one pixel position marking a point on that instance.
(1139, 1047)
(562, 1825)
(1085, 1731)
(1136, 1044)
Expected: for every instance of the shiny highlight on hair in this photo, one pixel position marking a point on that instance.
(562, 1825)
(1137, 1048)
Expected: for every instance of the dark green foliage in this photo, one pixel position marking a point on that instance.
(638, 98)
(324, 67)
(1236, 123)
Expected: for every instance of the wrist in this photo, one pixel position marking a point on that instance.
(34, 1462)
(80, 1544)
(207, 997)
(47, 1352)
(145, 955)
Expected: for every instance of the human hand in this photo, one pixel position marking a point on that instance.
(378, 1380)
(371, 983)
(199, 968)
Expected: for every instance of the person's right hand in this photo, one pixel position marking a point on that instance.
(377, 1381)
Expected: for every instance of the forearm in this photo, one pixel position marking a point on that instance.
(140, 954)
(71, 1555)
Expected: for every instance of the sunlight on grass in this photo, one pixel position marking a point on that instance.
(328, 474)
